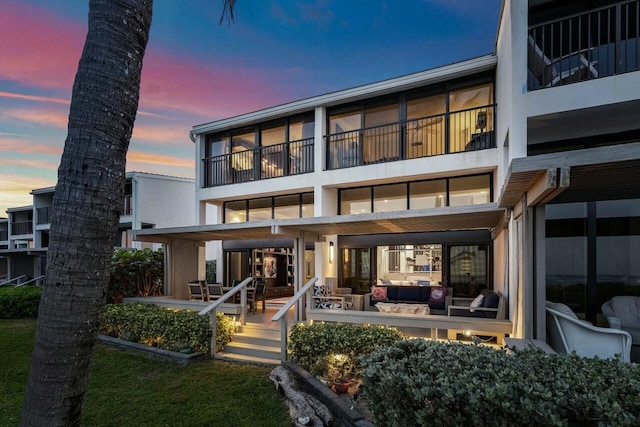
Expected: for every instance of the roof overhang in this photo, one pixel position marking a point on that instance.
(410, 81)
(486, 216)
(613, 170)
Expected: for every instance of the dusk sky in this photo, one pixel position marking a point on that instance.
(196, 71)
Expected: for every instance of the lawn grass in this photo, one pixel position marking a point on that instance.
(131, 389)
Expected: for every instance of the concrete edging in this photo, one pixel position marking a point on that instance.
(172, 356)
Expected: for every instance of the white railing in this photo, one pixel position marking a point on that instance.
(8, 282)
(281, 315)
(212, 308)
(36, 280)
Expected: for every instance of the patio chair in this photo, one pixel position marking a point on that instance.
(566, 333)
(195, 292)
(214, 290)
(256, 293)
(623, 312)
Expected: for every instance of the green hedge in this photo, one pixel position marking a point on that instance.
(177, 330)
(135, 273)
(19, 302)
(420, 382)
(311, 345)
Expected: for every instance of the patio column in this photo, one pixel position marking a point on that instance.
(299, 245)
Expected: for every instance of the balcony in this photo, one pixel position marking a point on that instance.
(291, 158)
(4, 235)
(19, 228)
(465, 130)
(44, 215)
(599, 43)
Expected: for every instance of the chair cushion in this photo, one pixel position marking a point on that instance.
(378, 293)
(627, 309)
(410, 293)
(491, 300)
(557, 306)
(424, 282)
(477, 301)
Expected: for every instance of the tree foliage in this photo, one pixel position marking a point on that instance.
(136, 273)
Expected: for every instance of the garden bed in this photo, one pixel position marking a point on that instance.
(172, 356)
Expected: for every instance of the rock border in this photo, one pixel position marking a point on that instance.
(172, 356)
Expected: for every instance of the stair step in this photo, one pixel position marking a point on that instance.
(240, 358)
(257, 340)
(267, 352)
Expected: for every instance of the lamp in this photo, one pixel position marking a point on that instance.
(331, 252)
(481, 121)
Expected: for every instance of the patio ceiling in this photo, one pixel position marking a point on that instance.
(486, 216)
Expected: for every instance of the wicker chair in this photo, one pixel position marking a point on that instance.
(566, 333)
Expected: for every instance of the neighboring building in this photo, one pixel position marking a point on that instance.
(150, 201)
(518, 171)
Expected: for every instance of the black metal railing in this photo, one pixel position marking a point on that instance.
(44, 215)
(21, 227)
(599, 43)
(272, 161)
(465, 130)
(127, 205)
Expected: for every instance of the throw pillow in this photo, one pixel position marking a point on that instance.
(320, 291)
(477, 302)
(378, 293)
(438, 295)
(424, 282)
(385, 281)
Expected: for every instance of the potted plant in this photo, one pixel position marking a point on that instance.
(340, 372)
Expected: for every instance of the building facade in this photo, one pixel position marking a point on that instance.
(516, 171)
(150, 201)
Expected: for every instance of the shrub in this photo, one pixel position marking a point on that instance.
(19, 302)
(165, 328)
(135, 273)
(312, 346)
(420, 382)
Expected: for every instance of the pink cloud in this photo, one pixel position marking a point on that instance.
(44, 48)
(34, 98)
(18, 146)
(162, 134)
(15, 190)
(29, 163)
(140, 157)
(42, 117)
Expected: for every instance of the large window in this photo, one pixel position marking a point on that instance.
(592, 252)
(468, 269)
(468, 190)
(278, 207)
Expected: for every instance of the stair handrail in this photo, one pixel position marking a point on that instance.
(36, 279)
(212, 308)
(281, 315)
(8, 282)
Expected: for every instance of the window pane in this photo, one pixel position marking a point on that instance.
(307, 205)
(287, 207)
(426, 126)
(242, 160)
(381, 115)
(477, 96)
(355, 201)
(260, 209)
(356, 269)
(566, 255)
(387, 198)
(428, 194)
(468, 269)
(344, 122)
(235, 211)
(273, 135)
(471, 190)
(243, 141)
(218, 145)
(427, 106)
(301, 128)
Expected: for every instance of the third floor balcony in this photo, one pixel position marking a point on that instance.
(587, 45)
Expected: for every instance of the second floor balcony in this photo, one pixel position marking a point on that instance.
(466, 130)
(272, 161)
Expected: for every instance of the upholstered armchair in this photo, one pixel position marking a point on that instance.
(623, 312)
(566, 333)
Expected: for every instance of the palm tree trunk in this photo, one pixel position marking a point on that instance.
(86, 210)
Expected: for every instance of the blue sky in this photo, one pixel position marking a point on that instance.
(197, 71)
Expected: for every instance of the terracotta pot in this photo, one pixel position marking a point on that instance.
(341, 387)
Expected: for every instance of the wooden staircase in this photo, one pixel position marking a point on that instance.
(253, 343)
